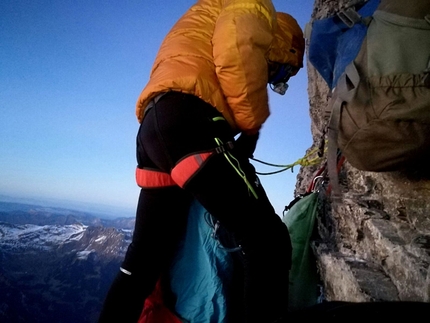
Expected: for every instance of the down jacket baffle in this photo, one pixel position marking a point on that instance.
(218, 51)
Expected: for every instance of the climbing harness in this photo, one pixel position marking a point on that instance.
(153, 102)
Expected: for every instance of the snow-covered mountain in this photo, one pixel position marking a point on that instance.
(74, 238)
(20, 213)
(47, 237)
(56, 272)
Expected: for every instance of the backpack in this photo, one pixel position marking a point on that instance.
(374, 56)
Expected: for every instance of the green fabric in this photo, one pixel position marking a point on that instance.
(300, 220)
(397, 44)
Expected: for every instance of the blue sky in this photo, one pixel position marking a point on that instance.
(70, 75)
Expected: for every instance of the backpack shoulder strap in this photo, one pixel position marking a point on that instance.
(344, 92)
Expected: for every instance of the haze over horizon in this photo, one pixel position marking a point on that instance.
(104, 211)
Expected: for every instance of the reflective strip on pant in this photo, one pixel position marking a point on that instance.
(148, 178)
(187, 167)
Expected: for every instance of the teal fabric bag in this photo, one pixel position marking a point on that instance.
(201, 273)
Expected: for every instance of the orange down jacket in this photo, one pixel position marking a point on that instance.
(218, 51)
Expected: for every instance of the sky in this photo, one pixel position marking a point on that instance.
(70, 74)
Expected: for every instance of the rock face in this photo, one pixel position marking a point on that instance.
(374, 244)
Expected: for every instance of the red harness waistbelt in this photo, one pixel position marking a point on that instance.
(181, 173)
(188, 166)
(149, 178)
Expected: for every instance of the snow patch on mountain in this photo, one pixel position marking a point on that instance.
(39, 237)
(83, 255)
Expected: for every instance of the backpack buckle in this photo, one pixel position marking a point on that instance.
(349, 16)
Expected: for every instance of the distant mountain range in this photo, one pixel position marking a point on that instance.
(56, 264)
(19, 213)
(98, 210)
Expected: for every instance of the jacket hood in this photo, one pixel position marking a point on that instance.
(288, 45)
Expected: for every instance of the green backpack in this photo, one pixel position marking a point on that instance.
(375, 57)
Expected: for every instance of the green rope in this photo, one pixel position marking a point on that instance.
(305, 161)
(237, 168)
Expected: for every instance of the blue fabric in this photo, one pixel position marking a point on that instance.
(201, 273)
(333, 45)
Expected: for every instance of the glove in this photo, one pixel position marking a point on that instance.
(245, 145)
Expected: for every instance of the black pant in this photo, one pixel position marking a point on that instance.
(180, 125)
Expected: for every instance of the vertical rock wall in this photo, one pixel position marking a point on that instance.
(374, 244)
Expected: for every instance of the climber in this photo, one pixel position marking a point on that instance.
(207, 85)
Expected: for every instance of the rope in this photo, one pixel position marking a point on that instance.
(304, 161)
(230, 158)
